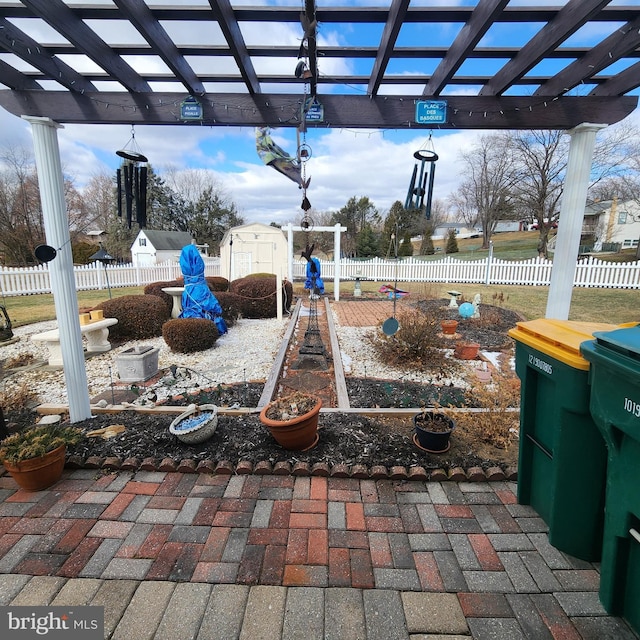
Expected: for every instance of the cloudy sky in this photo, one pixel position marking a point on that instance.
(344, 163)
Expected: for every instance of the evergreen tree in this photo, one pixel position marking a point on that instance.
(452, 242)
(367, 245)
(406, 248)
(427, 248)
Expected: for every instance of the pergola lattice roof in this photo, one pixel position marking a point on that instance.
(131, 61)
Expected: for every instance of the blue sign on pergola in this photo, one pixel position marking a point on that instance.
(431, 112)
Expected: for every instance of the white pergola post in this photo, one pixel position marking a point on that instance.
(574, 198)
(290, 252)
(63, 285)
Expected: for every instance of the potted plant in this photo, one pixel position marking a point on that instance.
(432, 431)
(449, 327)
(35, 457)
(293, 420)
(466, 350)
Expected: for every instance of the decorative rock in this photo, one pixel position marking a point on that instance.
(149, 464)
(281, 468)
(74, 462)
(340, 471)
(495, 474)
(457, 474)
(224, 468)
(262, 468)
(206, 467)
(378, 472)
(475, 474)
(93, 462)
(244, 467)
(167, 464)
(359, 471)
(130, 464)
(186, 466)
(320, 469)
(438, 475)
(418, 473)
(50, 419)
(398, 473)
(112, 462)
(301, 469)
(511, 473)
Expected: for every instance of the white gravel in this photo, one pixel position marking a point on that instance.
(245, 354)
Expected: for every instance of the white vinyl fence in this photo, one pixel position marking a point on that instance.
(590, 272)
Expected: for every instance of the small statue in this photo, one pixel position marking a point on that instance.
(477, 299)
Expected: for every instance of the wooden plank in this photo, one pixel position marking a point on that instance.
(270, 385)
(338, 370)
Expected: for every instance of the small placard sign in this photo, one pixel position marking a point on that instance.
(190, 109)
(314, 111)
(431, 111)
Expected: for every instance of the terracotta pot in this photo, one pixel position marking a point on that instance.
(433, 431)
(299, 433)
(483, 375)
(466, 350)
(449, 327)
(36, 474)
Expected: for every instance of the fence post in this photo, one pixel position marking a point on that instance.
(487, 275)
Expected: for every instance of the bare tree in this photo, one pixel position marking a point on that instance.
(485, 195)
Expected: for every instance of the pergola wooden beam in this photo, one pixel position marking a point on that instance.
(57, 14)
(140, 16)
(284, 110)
(478, 24)
(568, 20)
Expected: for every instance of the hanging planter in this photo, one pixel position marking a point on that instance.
(293, 420)
(466, 350)
(432, 431)
(449, 327)
(197, 424)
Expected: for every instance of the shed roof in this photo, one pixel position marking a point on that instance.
(167, 240)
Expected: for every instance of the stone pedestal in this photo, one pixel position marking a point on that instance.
(138, 363)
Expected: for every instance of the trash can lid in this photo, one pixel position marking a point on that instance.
(625, 340)
(560, 339)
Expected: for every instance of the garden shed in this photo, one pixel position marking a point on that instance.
(253, 248)
(155, 247)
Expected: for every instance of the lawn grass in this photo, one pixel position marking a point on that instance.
(614, 306)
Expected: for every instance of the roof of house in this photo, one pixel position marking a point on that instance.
(167, 240)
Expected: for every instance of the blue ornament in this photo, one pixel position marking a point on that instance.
(466, 310)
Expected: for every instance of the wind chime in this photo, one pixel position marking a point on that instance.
(418, 187)
(131, 179)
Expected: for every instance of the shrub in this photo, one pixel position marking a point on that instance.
(415, 345)
(138, 316)
(231, 305)
(156, 289)
(258, 295)
(187, 335)
(497, 424)
(217, 283)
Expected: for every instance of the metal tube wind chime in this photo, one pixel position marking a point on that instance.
(418, 187)
(131, 179)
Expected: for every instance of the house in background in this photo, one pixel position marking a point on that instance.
(611, 225)
(156, 247)
(460, 228)
(253, 248)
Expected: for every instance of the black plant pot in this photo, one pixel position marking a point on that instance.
(433, 431)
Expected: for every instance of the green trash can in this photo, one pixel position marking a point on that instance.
(615, 407)
(562, 456)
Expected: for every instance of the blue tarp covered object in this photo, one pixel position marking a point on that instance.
(313, 276)
(197, 299)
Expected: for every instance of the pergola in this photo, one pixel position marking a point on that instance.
(130, 62)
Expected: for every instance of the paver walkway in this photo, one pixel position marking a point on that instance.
(173, 555)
